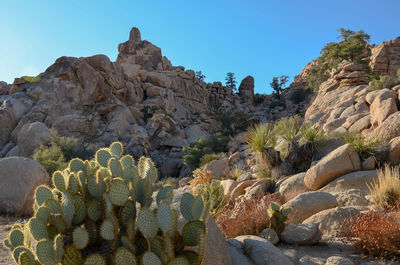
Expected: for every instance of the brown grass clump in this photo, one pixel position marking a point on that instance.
(200, 177)
(374, 233)
(385, 191)
(246, 217)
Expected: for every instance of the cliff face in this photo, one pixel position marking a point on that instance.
(345, 101)
(142, 100)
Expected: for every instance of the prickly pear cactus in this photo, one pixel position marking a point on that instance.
(101, 212)
(278, 216)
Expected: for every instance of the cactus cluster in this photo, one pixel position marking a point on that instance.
(101, 212)
(278, 216)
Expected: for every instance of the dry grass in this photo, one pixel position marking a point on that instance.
(200, 177)
(246, 217)
(236, 171)
(374, 233)
(385, 191)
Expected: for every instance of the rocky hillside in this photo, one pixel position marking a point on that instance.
(152, 107)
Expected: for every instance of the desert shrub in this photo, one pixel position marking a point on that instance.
(236, 171)
(277, 103)
(173, 182)
(262, 172)
(246, 217)
(353, 48)
(61, 149)
(298, 95)
(261, 136)
(149, 111)
(207, 158)
(277, 217)
(192, 154)
(200, 176)
(213, 194)
(259, 99)
(364, 146)
(231, 123)
(374, 233)
(288, 128)
(91, 217)
(312, 134)
(385, 191)
(384, 81)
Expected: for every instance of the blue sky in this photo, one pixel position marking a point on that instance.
(262, 38)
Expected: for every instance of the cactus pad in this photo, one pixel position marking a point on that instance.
(180, 261)
(149, 258)
(192, 231)
(19, 250)
(76, 165)
(116, 149)
(46, 253)
(166, 194)
(107, 230)
(197, 207)
(94, 209)
(80, 237)
(119, 192)
(147, 223)
(72, 256)
(68, 208)
(80, 209)
(95, 259)
(38, 229)
(26, 258)
(186, 206)
(59, 246)
(165, 217)
(116, 168)
(16, 238)
(58, 180)
(127, 161)
(123, 256)
(102, 156)
(43, 214)
(42, 194)
(128, 212)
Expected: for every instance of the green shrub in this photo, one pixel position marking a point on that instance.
(231, 123)
(298, 95)
(384, 81)
(207, 158)
(55, 155)
(288, 128)
(365, 147)
(353, 47)
(259, 99)
(192, 154)
(261, 136)
(312, 134)
(277, 103)
(262, 172)
(90, 217)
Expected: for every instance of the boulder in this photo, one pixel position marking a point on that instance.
(270, 235)
(229, 185)
(7, 125)
(237, 254)
(301, 234)
(19, 178)
(31, 136)
(184, 181)
(246, 90)
(240, 188)
(263, 252)
(338, 260)
(218, 167)
(293, 186)
(383, 105)
(216, 252)
(308, 204)
(389, 128)
(369, 163)
(195, 132)
(354, 180)
(330, 220)
(260, 187)
(340, 161)
(394, 156)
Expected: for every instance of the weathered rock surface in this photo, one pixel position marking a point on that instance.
(308, 204)
(19, 178)
(301, 234)
(31, 136)
(263, 252)
(293, 186)
(246, 90)
(341, 161)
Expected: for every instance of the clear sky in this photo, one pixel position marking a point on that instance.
(263, 38)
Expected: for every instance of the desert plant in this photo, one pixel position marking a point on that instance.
(231, 123)
(31, 79)
(298, 95)
(54, 156)
(173, 182)
(213, 194)
(262, 172)
(364, 146)
(90, 217)
(312, 133)
(246, 216)
(278, 84)
(200, 176)
(375, 233)
(261, 136)
(384, 81)
(288, 128)
(277, 216)
(207, 158)
(385, 191)
(236, 171)
(192, 154)
(230, 81)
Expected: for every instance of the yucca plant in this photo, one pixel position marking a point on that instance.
(288, 128)
(261, 136)
(364, 146)
(91, 216)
